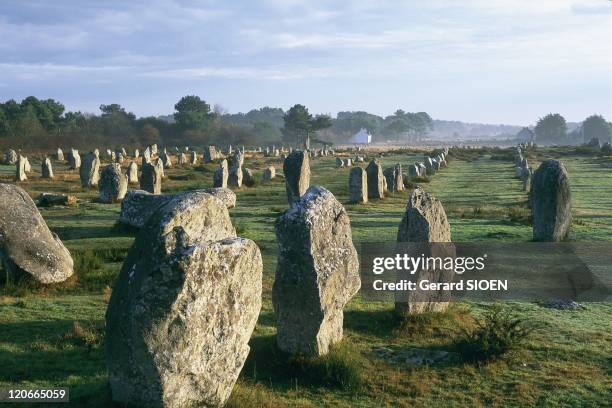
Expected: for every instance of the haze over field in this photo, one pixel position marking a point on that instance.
(478, 61)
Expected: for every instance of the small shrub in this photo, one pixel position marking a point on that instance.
(340, 368)
(477, 210)
(254, 181)
(500, 332)
(87, 260)
(82, 336)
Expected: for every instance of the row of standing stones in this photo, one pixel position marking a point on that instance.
(191, 287)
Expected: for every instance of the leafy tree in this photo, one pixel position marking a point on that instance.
(552, 128)
(192, 113)
(299, 124)
(596, 126)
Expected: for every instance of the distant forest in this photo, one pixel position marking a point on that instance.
(37, 123)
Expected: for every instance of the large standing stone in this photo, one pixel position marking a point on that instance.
(247, 176)
(166, 160)
(182, 159)
(296, 169)
(194, 158)
(90, 170)
(132, 173)
(113, 184)
(46, 168)
(425, 221)
(269, 173)
(26, 165)
(221, 175)
(210, 154)
(27, 247)
(20, 169)
(429, 166)
(376, 180)
(146, 155)
(358, 185)
(413, 172)
(60, 155)
(119, 157)
(183, 308)
(316, 275)
(74, 159)
(159, 163)
(150, 179)
(551, 204)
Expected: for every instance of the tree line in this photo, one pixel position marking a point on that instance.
(38, 123)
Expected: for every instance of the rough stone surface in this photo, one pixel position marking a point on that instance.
(296, 168)
(132, 173)
(210, 154)
(551, 204)
(46, 168)
(221, 175)
(394, 178)
(138, 205)
(235, 177)
(247, 176)
(59, 155)
(10, 157)
(376, 180)
(27, 247)
(150, 179)
(90, 170)
(183, 308)
(113, 184)
(316, 275)
(425, 221)
(358, 185)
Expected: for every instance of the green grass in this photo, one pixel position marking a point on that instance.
(54, 336)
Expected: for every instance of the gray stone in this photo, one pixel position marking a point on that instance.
(27, 247)
(46, 168)
(296, 169)
(113, 184)
(59, 155)
(90, 171)
(269, 173)
(182, 159)
(20, 169)
(247, 176)
(235, 177)
(193, 160)
(150, 179)
(316, 275)
(221, 175)
(183, 308)
(394, 178)
(10, 157)
(425, 221)
(210, 154)
(132, 173)
(376, 180)
(166, 160)
(358, 185)
(339, 162)
(50, 200)
(551, 203)
(74, 159)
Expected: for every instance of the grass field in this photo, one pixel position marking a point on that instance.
(54, 336)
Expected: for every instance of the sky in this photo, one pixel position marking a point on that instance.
(502, 61)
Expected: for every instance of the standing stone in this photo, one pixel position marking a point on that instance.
(47, 169)
(26, 165)
(119, 156)
(159, 163)
(74, 159)
(394, 179)
(27, 247)
(132, 173)
(20, 172)
(113, 184)
(296, 168)
(150, 179)
(429, 166)
(316, 275)
(90, 171)
(358, 185)
(221, 175)
(10, 157)
(182, 159)
(183, 308)
(194, 158)
(146, 155)
(339, 162)
(153, 149)
(527, 181)
(60, 155)
(136, 153)
(235, 177)
(413, 172)
(166, 160)
(425, 221)
(247, 176)
(551, 204)
(269, 173)
(376, 180)
(210, 154)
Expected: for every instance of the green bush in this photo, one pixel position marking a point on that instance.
(499, 332)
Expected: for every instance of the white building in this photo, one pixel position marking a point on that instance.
(361, 137)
